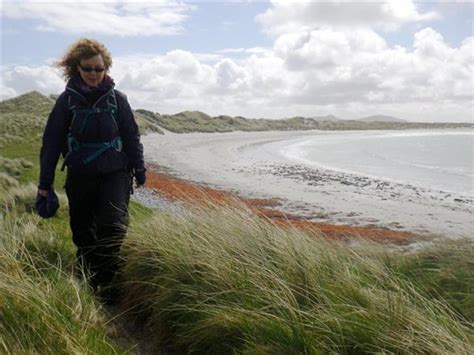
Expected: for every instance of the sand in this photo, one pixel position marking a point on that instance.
(250, 165)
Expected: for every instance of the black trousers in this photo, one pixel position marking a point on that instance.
(98, 209)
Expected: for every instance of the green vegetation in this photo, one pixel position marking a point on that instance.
(145, 124)
(443, 272)
(219, 280)
(43, 309)
(195, 121)
(23, 118)
(240, 285)
(245, 285)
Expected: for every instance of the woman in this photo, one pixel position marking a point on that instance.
(93, 126)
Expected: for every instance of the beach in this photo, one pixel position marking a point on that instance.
(250, 165)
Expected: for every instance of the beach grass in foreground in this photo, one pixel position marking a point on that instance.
(221, 280)
(43, 308)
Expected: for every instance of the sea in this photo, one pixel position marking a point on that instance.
(441, 160)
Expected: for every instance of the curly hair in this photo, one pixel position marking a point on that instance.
(84, 48)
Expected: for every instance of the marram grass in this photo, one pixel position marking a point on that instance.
(220, 280)
(43, 309)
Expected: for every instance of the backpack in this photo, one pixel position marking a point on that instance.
(94, 145)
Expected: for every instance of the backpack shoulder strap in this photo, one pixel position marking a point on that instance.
(113, 106)
(70, 105)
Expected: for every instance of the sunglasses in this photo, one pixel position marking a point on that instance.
(90, 69)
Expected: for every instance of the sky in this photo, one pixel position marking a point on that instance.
(258, 59)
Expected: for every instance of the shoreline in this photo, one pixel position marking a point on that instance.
(247, 164)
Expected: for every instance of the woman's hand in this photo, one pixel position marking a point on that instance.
(42, 193)
(140, 178)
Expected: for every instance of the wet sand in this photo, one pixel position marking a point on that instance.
(247, 164)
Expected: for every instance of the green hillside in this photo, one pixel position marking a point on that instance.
(23, 117)
(193, 121)
(196, 121)
(145, 124)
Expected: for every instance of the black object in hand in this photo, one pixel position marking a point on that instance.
(47, 206)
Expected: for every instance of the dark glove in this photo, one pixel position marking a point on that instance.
(140, 177)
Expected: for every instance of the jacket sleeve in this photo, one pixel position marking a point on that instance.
(54, 137)
(130, 135)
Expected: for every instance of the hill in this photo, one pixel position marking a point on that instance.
(325, 118)
(23, 117)
(380, 118)
(196, 121)
(193, 121)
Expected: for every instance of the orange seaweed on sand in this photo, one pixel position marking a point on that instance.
(175, 189)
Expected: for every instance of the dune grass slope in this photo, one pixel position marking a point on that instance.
(217, 281)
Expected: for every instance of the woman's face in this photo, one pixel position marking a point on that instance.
(92, 70)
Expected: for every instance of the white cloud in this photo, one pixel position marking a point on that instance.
(318, 72)
(20, 79)
(6, 92)
(432, 71)
(325, 48)
(121, 18)
(288, 16)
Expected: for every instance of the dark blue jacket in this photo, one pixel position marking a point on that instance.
(58, 127)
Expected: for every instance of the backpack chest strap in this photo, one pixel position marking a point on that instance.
(101, 147)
